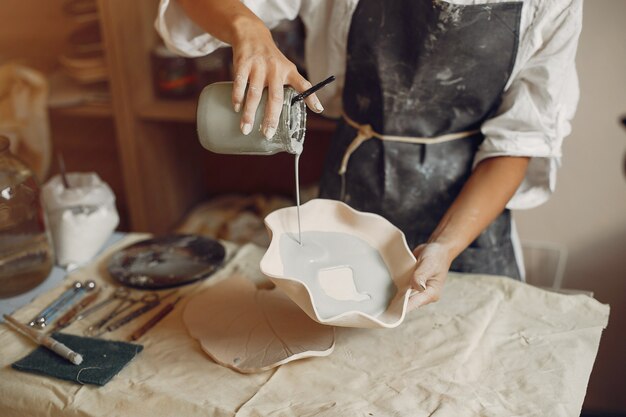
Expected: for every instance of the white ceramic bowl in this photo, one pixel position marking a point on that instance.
(334, 216)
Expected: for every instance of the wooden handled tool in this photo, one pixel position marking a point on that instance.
(154, 320)
(44, 340)
(67, 318)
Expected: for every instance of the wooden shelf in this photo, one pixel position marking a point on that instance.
(97, 110)
(164, 177)
(169, 110)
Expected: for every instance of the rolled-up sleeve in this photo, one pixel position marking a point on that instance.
(539, 103)
(182, 36)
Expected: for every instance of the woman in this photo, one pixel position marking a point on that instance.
(452, 113)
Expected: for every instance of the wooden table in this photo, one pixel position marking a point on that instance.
(491, 347)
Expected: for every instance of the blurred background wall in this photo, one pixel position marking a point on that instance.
(33, 32)
(587, 213)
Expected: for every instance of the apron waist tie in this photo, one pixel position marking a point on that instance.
(365, 132)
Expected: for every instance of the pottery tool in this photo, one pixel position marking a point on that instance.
(86, 287)
(55, 303)
(138, 312)
(71, 314)
(154, 320)
(61, 162)
(124, 304)
(44, 340)
(312, 90)
(117, 294)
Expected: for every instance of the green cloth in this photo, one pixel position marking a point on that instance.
(102, 359)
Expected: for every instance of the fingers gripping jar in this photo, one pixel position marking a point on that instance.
(218, 124)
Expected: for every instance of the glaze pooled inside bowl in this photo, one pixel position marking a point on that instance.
(353, 269)
(342, 271)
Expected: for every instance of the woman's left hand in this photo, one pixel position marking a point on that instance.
(433, 263)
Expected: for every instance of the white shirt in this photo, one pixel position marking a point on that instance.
(539, 100)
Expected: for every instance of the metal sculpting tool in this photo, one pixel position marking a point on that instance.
(40, 317)
(117, 294)
(86, 287)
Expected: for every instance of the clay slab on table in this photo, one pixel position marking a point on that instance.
(253, 330)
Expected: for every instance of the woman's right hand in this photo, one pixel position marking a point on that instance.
(258, 63)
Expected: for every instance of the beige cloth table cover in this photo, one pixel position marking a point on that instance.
(490, 347)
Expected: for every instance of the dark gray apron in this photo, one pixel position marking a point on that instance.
(424, 68)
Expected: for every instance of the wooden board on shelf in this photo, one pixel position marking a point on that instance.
(169, 110)
(96, 110)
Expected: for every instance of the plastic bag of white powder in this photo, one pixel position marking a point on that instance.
(81, 217)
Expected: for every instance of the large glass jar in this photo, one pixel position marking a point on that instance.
(26, 255)
(218, 124)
